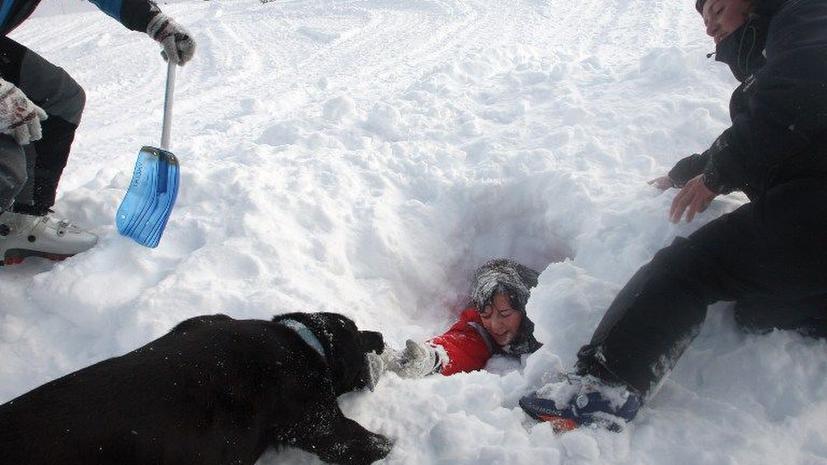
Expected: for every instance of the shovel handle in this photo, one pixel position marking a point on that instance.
(167, 128)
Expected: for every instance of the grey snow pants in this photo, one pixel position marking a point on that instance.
(29, 175)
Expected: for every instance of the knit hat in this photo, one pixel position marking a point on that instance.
(515, 280)
(504, 275)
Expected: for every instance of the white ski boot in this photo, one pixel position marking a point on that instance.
(45, 236)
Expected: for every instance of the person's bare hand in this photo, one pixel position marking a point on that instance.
(694, 198)
(663, 183)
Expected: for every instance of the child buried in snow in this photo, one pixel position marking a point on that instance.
(495, 323)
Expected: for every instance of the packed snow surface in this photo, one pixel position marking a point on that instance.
(364, 156)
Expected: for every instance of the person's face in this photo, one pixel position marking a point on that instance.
(723, 17)
(501, 320)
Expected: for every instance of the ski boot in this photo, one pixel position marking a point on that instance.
(44, 236)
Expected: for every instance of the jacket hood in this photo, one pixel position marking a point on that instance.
(767, 7)
(759, 6)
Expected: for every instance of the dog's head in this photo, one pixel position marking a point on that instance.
(345, 347)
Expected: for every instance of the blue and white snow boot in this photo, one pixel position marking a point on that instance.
(575, 400)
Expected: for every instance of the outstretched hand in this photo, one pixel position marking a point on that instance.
(693, 198)
(415, 361)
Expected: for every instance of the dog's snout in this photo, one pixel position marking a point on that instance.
(372, 341)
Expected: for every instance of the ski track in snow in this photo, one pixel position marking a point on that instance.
(364, 157)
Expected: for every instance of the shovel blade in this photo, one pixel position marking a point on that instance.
(148, 202)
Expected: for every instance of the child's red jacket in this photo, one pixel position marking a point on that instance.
(467, 344)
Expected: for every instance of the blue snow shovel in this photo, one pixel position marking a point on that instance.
(148, 202)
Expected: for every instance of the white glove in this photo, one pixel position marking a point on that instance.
(176, 41)
(376, 368)
(19, 116)
(416, 361)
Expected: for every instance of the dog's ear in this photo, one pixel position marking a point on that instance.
(372, 341)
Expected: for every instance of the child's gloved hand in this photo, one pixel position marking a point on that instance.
(179, 47)
(416, 361)
(19, 116)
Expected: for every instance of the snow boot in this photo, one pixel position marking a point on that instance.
(44, 236)
(574, 401)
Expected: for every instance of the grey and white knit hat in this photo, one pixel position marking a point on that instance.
(503, 275)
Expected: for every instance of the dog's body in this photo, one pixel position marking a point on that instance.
(212, 391)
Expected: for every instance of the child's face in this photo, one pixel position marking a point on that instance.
(501, 320)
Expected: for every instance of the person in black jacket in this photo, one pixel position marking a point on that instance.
(40, 109)
(769, 255)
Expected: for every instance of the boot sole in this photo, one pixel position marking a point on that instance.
(16, 256)
(559, 424)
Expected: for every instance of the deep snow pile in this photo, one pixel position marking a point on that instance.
(363, 156)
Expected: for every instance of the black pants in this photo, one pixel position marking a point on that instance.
(29, 175)
(769, 255)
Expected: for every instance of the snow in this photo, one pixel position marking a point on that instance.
(364, 157)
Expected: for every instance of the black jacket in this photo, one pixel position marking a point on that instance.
(779, 112)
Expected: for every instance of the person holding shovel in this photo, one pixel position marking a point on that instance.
(40, 109)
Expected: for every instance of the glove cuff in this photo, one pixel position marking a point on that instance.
(415, 361)
(157, 28)
(713, 182)
(5, 87)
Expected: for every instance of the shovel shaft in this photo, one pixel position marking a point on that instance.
(167, 128)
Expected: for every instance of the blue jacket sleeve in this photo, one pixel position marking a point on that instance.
(134, 14)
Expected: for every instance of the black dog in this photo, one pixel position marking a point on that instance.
(213, 391)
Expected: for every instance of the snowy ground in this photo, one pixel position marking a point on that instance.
(363, 156)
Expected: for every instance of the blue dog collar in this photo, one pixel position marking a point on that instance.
(306, 334)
